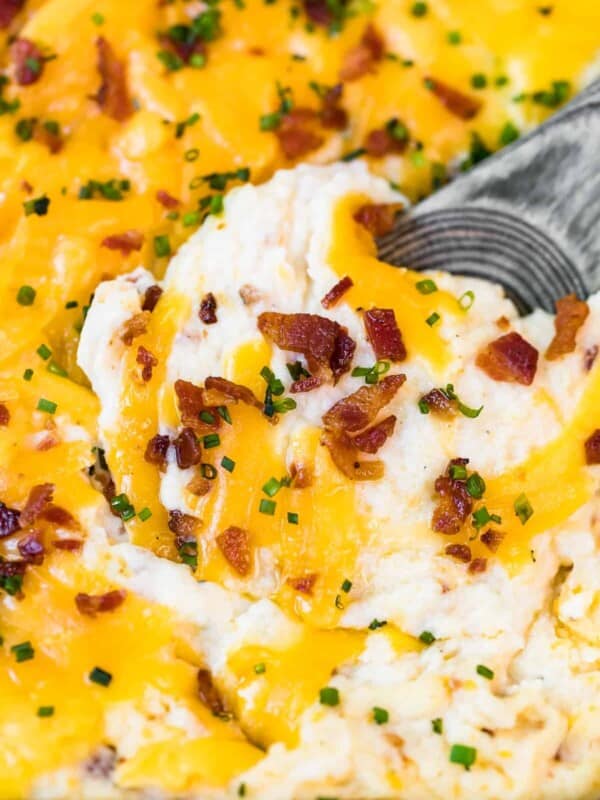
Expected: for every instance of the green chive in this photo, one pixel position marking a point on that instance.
(292, 518)
(270, 122)
(454, 37)
(478, 81)
(380, 715)
(260, 668)
(426, 286)
(423, 407)
(501, 80)
(45, 711)
(197, 60)
(482, 516)
(223, 412)
(162, 246)
(458, 472)
(353, 154)
(207, 417)
(282, 406)
(377, 623)
(346, 586)
(44, 352)
(419, 9)
(432, 319)
(191, 154)
(100, 676)
(55, 369)
(144, 514)
(437, 725)
(523, 508)
(329, 696)
(98, 19)
(475, 485)
(28, 375)
(120, 502)
(228, 464)
(461, 754)
(26, 296)
(38, 206)
(484, 671)
(465, 410)
(271, 487)
(466, 300)
(46, 405)
(211, 440)
(191, 218)
(242, 787)
(427, 637)
(23, 651)
(267, 507)
(508, 134)
(208, 471)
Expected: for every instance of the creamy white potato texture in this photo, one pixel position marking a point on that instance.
(369, 660)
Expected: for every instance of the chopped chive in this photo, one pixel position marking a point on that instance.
(419, 9)
(26, 295)
(465, 410)
(23, 651)
(45, 711)
(144, 514)
(329, 696)
(484, 671)
(46, 405)
(162, 246)
(462, 754)
(55, 369)
(523, 508)
(458, 472)
(380, 715)
(346, 586)
(482, 516)
(228, 464)
(466, 300)
(475, 485)
(100, 676)
(28, 375)
(208, 471)
(509, 133)
(267, 507)
(269, 122)
(260, 668)
(207, 417)
(426, 286)
(98, 19)
(292, 517)
(211, 440)
(38, 206)
(427, 637)
(191, 218)
(353, 154)
(423, 407)
(377, 623)
(242, 787)
(478, 81)
(437, 725)
(120, 502)
(223, 412)
(432, 319)
(501, 80)
(454, 37)
(191, 154)
(282, 406)
(44, 352)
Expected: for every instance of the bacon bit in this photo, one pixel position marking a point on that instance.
(589, 357)
(134, 327)
(234, 543)
(9, 10)
(235, 391)
(102, 762)
(249, 294)
(38, 499)
(362, 59)
(301, 476)
(337, 292)
(384, 334)
(305, 384)
(48, 441)
(503, 323)
(461, 105)
(478, 565)
(343, 454)
(296, 133)
(380, 142)
(147, 361)
(25, 186)
(332, 115)
(125, 242)
(191, 403)
(461, 552)
(151, 297)
(324, 343)
(592, 448)
(371, 439)
(59, 517)
(199, 486)
(31, 548)
(4, 415)
(438, 403)
(70, 545)
(359, 409)
(318, 11)
(492, 539)
(208, 309)
(166, 200)
(378, 218)
(53, 141)
(28, 60)
(92, 604)
(156, 450)
(182, 524)
(208, 694)
(303, 584)
(571, 313)
(9, 569)
(113, 95)
(509, 358)
(187, 449)
(455, 503)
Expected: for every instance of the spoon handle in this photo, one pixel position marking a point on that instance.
(528, 217)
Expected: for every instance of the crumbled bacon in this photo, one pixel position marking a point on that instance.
(344, 456)
(380, 142)
(68, 544)
(59, 517)
(182, 524)
(359, 409)
(92, 604)
(147, 361)
(191, 403)
(589, 357)
(492, 539)
(208, 309)
(592, 448)
(318, 11)
(199, 486)
(151, 297)
(135, 326)
(324, 343)
(187, 449)
(305, 384)
(303, 584)
(166, 200)
(478, 565)
(28, 60)
(378, 218)
(371, 439)
(9, 10)
(461, 105)
(297, 132)
(455, 503)
(461, 552)
(384, 334)
(234, 543)
(207, 692)
(50, 138)
(362, 58)
(234, 391)
(156, 450)
(332, 115)
(4, 415)
(38, 499)
(509, 358)
(113, 95)
(571, 313)
(337, 292)
(10, 569)
(31, 548)
(438, 402)
(125, 242)
(301, 475)
(102, 762)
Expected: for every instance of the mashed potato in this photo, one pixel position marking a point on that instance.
(372, 649)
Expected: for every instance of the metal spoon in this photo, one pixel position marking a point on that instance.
(527, 218)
